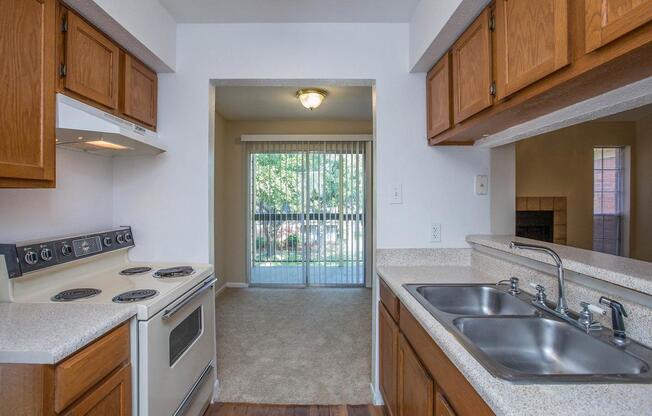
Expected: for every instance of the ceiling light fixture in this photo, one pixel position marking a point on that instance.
(311, 98)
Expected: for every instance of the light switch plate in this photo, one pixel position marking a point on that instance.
(396, 195)
(481, 184)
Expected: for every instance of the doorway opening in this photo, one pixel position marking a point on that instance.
(293, 204)
(307, 203)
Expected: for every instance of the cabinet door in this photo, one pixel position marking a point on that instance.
(92, 63)
(607, 20)
(112, 397)
(415, 386)
(531, 42)
(139, 92)
(442, 408)
(438, 91)
(388, 352)
(472, 70)
(27, 92)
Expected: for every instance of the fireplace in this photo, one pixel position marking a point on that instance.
(537, 225)
(541, 218)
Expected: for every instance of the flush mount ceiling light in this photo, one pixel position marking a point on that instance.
(311, 98)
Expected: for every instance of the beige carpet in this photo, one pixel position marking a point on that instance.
(294, 346)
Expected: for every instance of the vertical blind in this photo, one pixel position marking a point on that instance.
(307, 213)
(608, 199)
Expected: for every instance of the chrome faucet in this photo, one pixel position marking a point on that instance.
(562, 307)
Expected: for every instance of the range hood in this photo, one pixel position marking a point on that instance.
(86, 128)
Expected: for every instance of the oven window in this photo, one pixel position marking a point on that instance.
(184, 334)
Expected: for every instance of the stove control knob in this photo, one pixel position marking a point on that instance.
(128, 237)
(120, 238)
(66, 250)
(31, 257)
(46, 254)
(108, 241)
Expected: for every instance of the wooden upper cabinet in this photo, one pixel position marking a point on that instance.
(607, 20)
(531, 42)
(92, 63)
(439, 100)
(416, 388)
(27, 93)
(388, 353)
(138, 93)
(472, 82)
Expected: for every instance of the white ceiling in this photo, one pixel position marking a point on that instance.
(281, 103)
(289, 11)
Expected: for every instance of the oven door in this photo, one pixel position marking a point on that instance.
(176, 355)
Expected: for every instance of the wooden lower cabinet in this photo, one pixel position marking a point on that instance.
(416, 388)
(426, 382)
(95, 381)
(111, 397)
(442, 408)
(388, 351)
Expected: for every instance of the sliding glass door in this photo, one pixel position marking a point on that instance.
(307, 212)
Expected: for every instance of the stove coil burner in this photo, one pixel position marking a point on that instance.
(135, 295)
(135, 270)
(74, 294)
(179, 271)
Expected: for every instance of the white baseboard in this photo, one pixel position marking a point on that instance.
(237, 285)
(220, 290)
(376, 396)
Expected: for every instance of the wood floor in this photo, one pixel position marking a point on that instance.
(242, 409)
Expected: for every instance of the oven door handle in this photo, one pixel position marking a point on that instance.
(169, 313)
(185, 403)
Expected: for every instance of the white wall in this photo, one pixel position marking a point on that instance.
(82, 201)
(166, 198)
(503, 189)
(435, 25)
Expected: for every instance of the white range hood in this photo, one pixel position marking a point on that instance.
(83, 127)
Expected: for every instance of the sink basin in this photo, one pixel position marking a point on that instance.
(540, 346)
(518, 341)
(474, 300)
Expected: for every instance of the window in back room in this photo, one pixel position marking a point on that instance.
(608, 199)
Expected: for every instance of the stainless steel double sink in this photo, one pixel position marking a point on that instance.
(519, 342)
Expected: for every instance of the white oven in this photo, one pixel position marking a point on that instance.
(176, 355)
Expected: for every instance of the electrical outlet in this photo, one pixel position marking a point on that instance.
(435, 233)
(396, 196)
(481, 184)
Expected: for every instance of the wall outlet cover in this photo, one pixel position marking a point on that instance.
(435, 233)
(481, 184)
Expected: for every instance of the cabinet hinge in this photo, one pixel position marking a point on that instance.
(492, 89)
(64, 24)
(492, 23)
(62, 70)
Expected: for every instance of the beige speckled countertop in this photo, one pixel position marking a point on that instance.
(506, 398)
(46, 333)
